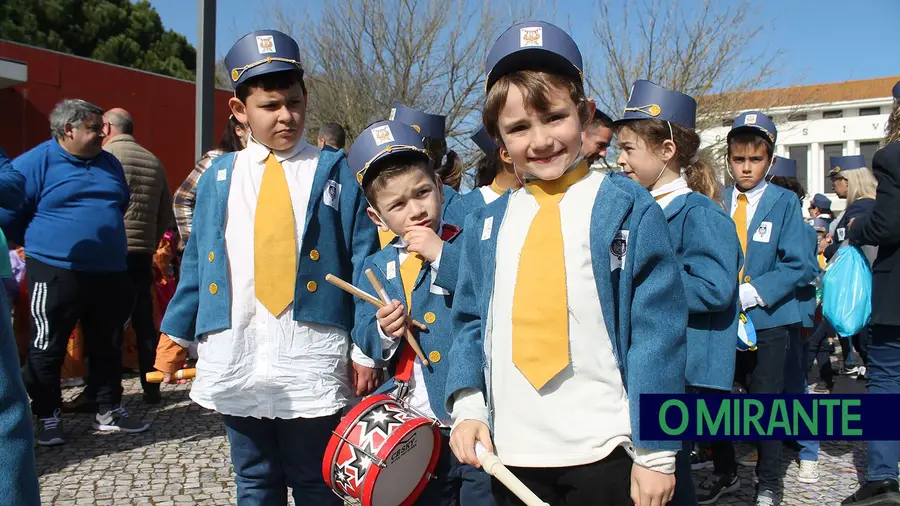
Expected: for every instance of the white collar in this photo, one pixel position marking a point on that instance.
(259, 152)
(753, 194)
(678, 184)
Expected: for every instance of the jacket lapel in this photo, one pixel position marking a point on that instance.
(611, 205)
(393, 285)
(488, 230)
(766, 203)
(726, 199)
(222, 184)
(327, 161)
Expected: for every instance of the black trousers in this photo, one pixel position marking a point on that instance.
(59, 299)
(140, 269)
(607, 482)
(818, 352)
(765, 370)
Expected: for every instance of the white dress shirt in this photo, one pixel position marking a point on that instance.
(266, 366)
(582, 414)
(747, 292)
(670, 191)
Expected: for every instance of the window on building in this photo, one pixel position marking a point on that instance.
(828, 151)
(833, 114)
(869, 111)
(868, 149)
(800, 155)
(800, 116)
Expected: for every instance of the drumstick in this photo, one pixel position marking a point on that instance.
(410, 340)
(352, 290)
(492, 465)
(157, 377)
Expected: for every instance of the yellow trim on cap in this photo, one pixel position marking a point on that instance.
(387, 149)
(651, 109)
(238, 72)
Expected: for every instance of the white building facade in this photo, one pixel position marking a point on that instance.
(812, 133)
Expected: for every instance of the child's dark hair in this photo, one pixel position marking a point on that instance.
(789, 183)
(270, 82)
(700, 175)
(392, 167)
(486, 168)
(447, 163)
(535, 86)
(754, 140)
(230, 142)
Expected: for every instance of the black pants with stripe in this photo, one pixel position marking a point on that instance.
(59, 299)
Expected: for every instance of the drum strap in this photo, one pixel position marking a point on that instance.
(407, 356)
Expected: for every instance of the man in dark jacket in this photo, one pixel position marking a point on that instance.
(148, 216)
(882, 228)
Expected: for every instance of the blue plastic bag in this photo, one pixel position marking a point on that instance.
(847, 292)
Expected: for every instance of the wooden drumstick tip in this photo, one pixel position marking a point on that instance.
(157, 376)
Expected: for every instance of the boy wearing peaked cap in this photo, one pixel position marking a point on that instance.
(770, 227)
(419, 271)
(270, 222)
(853, 181)
(570, 305)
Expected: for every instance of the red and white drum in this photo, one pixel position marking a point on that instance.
(381, 454)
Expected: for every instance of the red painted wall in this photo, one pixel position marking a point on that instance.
(162, 107)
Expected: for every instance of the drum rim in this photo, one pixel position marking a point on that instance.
(334, 443)
(383, 454)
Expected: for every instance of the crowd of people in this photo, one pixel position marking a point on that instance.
(556, 292)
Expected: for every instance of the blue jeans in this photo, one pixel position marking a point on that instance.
(270, 454)
(883, 377)
(456, 483)
(795, 383)
(18, 473)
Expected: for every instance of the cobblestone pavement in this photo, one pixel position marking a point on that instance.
(183, 459)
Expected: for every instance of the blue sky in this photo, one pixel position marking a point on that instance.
(824, 40)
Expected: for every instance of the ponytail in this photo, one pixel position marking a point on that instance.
(701, 178)
(451, 170)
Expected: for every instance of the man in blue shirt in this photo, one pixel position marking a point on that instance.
(72, 227)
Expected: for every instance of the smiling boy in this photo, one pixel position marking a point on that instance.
(569, 304)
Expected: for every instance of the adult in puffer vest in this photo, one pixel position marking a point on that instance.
(148, 216)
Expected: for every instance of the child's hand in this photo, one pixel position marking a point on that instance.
(651, 488)
(424, 241)
(824, 243)
(392, 319)
(463, 438)
(365, 379)
(170, 357)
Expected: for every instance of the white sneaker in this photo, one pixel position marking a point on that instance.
(809, 471)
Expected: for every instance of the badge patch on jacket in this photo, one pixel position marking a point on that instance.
(331, 196)
(841, 233)
(618, 250)
(764, 232)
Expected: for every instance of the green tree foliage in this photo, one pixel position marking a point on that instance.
(114, 31)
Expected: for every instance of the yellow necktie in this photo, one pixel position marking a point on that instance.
(409, 271)
(274, 240)
(740, 225)
(540, 315)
